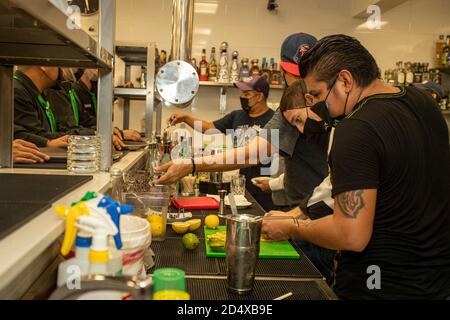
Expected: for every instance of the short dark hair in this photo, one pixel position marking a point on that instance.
(294, 96)
(335, 53)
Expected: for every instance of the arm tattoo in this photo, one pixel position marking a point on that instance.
(351, 203)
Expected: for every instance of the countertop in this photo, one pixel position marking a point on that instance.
(22, 247)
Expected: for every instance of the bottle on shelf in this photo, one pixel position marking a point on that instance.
(203, 67)
(440, 44)
(265, 72)
(245, 70)
(194, 64)
(409, 74)
(255, 71)
(275, 78)
(212, 72)
(418, 71)
(438, 76)
(224, 75)
(426, 72)
(401, 76)
(143, 83)
(445, 57)
(234, 74)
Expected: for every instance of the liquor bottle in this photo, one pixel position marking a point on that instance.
(143, 77)
(166, 156)
(394, 75)
(234, 74)
(440, 44)
(255, 71)
(426, 73)
(194, 64)
(212, 72)
(445, 57)
(265, 72)
(437, 76)
(245, 70)
(409, 74)
(275, 79)
(224, 75)
(163, 57)
(418, 70)
(400, 74)
(203, 67)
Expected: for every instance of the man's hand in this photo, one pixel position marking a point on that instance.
(173, 172)
(118, 143)
(176, 118)
(131, 135)
(58, 143)
(278, 230)
(28, 153)
(263, 184)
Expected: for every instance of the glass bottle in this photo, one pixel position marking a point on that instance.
(255, 71)
(401, 76)
(275, 78)
(265, 72)
(203, 67)
(418, 70)
(445, 57)
(245, 70)
(212, 72)
(234, 74)
(409, 74)
(426, 73)
(224, 75)
(440, 44)
(117, 185)
(194, 64)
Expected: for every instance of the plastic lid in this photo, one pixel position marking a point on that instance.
(169, 279)
(83, 242)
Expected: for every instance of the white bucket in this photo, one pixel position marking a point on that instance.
(136, 238)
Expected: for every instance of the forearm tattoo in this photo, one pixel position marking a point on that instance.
(351, 203)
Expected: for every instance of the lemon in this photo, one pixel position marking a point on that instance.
(190, 241)
(212, 221)
(156, 225)
(180, 227)
(154, 218)
(194, 224)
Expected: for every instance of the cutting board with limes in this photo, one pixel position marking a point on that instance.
(268, 249)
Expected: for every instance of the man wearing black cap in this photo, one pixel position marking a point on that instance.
(255, 114)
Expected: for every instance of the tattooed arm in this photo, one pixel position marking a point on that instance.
(349, 228)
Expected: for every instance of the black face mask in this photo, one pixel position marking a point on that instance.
(79, 74)
(314, 127)
(322, 110)
(245, 104)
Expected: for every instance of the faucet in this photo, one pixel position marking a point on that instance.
(138, 289)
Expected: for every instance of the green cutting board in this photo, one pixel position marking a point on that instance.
(268, 249)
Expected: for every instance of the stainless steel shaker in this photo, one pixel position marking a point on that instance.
(242, 246)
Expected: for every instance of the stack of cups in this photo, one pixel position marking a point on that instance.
(83, 155)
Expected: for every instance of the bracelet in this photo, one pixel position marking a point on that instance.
(193, 167)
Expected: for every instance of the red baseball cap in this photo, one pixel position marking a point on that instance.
(293, 49)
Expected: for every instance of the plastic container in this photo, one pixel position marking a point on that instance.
(79, 265)
(154, 206)
(169, 284)
(136, 239)
(83, 155)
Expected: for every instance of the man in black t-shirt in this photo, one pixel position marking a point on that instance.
(390, 171)
(255, 114)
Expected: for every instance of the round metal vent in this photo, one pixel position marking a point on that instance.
(177, 83)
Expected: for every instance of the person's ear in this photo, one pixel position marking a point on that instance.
(346, 77)
(309, 99)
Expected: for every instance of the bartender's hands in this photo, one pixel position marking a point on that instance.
(263, 184)
(131, 135)
(176, 118)
(278, 230)
(28, 153)
(58, 143)
(174, 171)
(118, 143)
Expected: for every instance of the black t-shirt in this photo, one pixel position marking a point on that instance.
(399, 145)
(240, 121)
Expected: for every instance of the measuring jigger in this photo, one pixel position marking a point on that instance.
(242, 246)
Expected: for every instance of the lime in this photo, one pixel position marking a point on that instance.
(212, 221)
(190, 241)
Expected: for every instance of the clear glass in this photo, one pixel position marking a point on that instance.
(83, 155)
(238, 185)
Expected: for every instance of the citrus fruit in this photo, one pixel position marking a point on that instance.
(212, 221)
(156, 225)
(190, 241)
(194, 224)
(180, 227)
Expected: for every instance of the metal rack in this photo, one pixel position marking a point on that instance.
(139, 56)
(37, 33)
